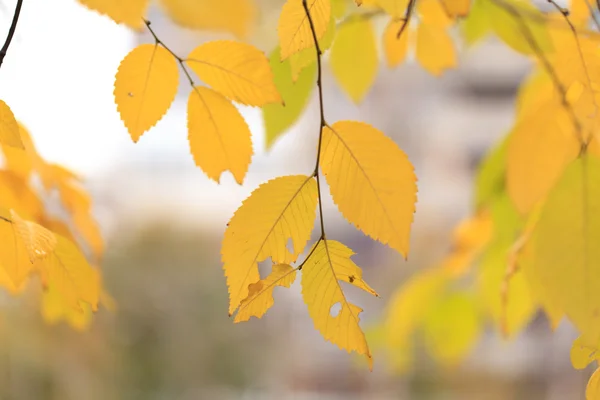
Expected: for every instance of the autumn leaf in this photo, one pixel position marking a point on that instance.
(235, 16)
(355, 46)
(294, 26)
(308, 57)
(356, 159)
(395, 48)
(582, 353)
(456, 8)
(260, 294)
(592, 390)
(218, 135)
(278, 118)
(145, 86)
(539, 148)
(9, 129)
(328, 264)
(435, 50)
(129, 12)
(564, 259)
(39, 241)
(238, 71)
(14, 257)
(280, 210)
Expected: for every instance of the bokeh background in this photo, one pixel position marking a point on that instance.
(162, 218)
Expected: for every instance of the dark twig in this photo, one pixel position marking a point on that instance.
(11, 31)
(180, 60)
(407, 15)
(323, 123)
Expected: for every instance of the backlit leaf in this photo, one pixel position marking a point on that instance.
(260, 294)
(592, 391)
(328, 264)
(435, 50)
(307, 57)
(129, 12)
(235, 16)
(456, 8)
(395, 48)
(145, 86)
(294, 26)
(491, 175)
(14, 257)
(278, 118)
(565, 260)
(356, 159)
(218, 135)
(354, 46)
(237, 70)
(281, 210)
(582, 354)
(539, 148)
(9, 129)
(39, 241)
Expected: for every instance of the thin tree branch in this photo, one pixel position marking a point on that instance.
(11, 31)
(531, 41)
(407, 15)
(323, 123)
(179, 59)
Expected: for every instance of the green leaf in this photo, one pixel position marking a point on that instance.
(278, 118)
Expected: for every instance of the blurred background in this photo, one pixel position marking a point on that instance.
(163, 220)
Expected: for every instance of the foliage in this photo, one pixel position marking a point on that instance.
(529, 243)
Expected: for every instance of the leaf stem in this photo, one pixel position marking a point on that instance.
(323, 123)
(407, 14)
(11, 31)
(179, 59)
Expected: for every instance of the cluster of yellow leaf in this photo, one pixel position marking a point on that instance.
(534, 231)
(234, 16)
(37, 244)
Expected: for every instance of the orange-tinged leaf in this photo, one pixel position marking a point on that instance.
(435, 50)
(237, 70)
(218, 135)
(539, 148)
(260, 294)
(433, 13)
(39, 241)
(129, 12)
(328, 264)
(395, 48)
(14, 257)
(592, 390)
(145, 86)
(356, 159)
(456, 8)
(235, 16)
(280, 210)
(9, 129)
(73, 277)
(294, 26)
(354, 46)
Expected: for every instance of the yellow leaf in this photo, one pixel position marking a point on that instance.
(238, 71)
(39, 241)
(395, 8)
(308, 57)
(9, 129)
(435, 50)
(592, 391)
(235, 16)
(456, 8)
(518, 23)
(14, 257)
(354, 46)
(145, 86)
(433, 13)
(395, 48)
(55, 309)
(410, 305)
(281, 210)
(16, 194)
(582, 353)
(218, 135)
(539, 148)
(294, 26)
(260, 294)
(129, 12)
(75, 280)
(476, 26)
(329, 263)
(356, 159)
(452, 328)
(278, 118)
(565, 260)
